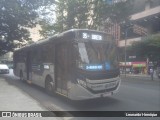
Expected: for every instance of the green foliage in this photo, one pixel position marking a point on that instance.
(87, 14)
(47, 30)
(71, 14)
(15, 17)
(105, 13)
(148, 47)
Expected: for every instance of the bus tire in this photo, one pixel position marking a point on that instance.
(21, 76)
(49, 86)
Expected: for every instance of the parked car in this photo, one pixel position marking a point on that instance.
(10, 65)
(4, 69)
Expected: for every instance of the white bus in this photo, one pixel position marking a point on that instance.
(79, 64)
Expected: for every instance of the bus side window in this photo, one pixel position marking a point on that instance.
(33, 56)
(20, 57)
(36, 59)
(48, 53)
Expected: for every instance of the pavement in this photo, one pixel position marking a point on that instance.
(144, 77)
(13, 99)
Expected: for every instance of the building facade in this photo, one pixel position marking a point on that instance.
(146, 18)
(146, 14)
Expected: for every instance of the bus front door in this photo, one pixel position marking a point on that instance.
(62, 68)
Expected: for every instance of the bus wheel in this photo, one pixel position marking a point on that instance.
(49, 86)
(21, 76)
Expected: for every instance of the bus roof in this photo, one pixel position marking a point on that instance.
(43, 41)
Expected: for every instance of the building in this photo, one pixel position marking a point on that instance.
(146, 16)
(146, 13)
(34, 33)
(7, 57)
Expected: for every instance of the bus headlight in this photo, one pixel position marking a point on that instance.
(82, 82)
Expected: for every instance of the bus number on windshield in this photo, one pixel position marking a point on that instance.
(92, 36)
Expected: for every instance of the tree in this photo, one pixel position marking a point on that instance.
(149, 47)
(91, 14)
(15, 17)
(61, 19)
(71, 14)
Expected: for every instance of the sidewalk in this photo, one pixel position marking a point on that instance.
(12, 99)
(141, 76)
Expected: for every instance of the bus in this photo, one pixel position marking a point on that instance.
(78, 64)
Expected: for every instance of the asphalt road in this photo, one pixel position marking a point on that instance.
(133, 95)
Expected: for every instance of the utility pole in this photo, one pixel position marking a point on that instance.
(125, 52)
(125, 49)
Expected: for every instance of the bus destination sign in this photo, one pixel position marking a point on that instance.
(91, 36)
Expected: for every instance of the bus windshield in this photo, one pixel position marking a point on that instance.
(97, 55)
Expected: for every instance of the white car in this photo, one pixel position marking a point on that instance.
(4, 69)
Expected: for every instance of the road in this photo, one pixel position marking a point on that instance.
(133, 95)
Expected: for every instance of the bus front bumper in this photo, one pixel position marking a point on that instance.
(79, 92)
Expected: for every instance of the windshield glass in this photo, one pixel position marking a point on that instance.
(97, 55)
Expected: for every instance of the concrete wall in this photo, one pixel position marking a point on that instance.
(142, 5)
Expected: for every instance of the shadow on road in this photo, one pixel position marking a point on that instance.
(95, 104)
(60, 103)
